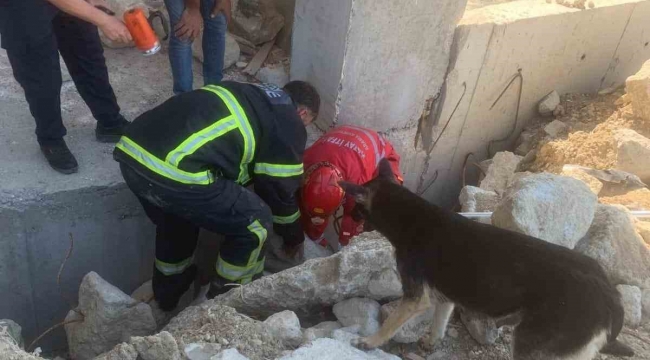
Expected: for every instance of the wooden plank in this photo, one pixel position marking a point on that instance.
(259, 58)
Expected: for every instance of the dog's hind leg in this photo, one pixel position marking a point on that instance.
(408, 308)
(440, 320)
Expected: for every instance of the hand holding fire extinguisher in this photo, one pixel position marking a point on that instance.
(112, 27)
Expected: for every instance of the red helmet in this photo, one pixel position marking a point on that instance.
(321, 193)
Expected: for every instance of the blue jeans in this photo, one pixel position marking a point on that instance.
(180, 51)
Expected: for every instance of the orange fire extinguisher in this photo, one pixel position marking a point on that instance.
(141, 30)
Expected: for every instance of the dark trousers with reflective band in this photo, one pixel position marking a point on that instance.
(223, 207)
(36, 67)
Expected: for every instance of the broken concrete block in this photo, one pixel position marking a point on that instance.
(614, 243)
(643, 228)
(213, 323)
(499, 174)
(109, 317)
(275, 75)
(318, 282)
(229, 354)
(482, 328)
(230, 56)
(412, 330)
(556, 128)
(257, 21)
(637, 87)
(201, 351)
(11, 351)
(122, 351)
(633, 153)
(13, 330)
(285, 326)
(157, 347)
(359, 311)
(473, 199)
(553, 208)
(548, 104)
(322, 330)
(329, 349)
(631, 300)
(579, 173)
(385, 285)
(527, 141)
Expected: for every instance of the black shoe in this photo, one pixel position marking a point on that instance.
(111, 134)
(168, 289)
(59, 156)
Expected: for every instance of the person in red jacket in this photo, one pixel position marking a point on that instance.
(347, 153)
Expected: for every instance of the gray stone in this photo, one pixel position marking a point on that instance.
(346, 334)
(14, 330)
(474, 199)
(359, 311)
(548, 104)
(631, 299)
(499, 175)
(201, 351)
(322, 330)
(645, 304)
(257, 21)
(11, 351)
(633, 153)
(318, 282)
(614, 243)
(315, 251)
(329, 349)
(637, 87)
(230, 57)
(157, 347)
(482, 328)
(553, 208)
(412, 330)
(385, 285)
(144, 294)
(556, 128)
(643, 228)
(275, 75)
(229, 354)
(241, 64)
(582, 174)
(110, 317)
(285, 326)
(65, 73)
(122, 351)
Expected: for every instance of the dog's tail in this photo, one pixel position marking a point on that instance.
(617, 313)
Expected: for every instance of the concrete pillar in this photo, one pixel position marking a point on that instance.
(376, 63)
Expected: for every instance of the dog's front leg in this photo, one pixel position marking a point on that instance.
(407, 309)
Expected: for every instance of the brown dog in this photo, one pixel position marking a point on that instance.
(564, 304)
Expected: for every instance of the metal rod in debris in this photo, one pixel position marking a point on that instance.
(483, 215)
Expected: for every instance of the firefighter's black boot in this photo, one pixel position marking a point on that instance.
(168, 289)
(113, 133)
(59, 156)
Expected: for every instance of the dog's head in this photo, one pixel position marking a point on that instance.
(364, 194)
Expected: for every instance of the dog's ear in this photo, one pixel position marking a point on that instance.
(359, 192)
(385, 171)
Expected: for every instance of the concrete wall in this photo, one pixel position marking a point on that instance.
(555, 47)
(376, 63)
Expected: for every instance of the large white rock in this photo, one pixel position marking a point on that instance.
(474, 199)
(359, 311)
(553, 208)
(328, 349)
(158, 347)
(548, 104)
(14, 330)
(229, 354)
(322, 330)
(637, 87)
(481, 327)
(122, 351)
(110, 317)
(412, 330)
(631, 300)
(285, 326)
(385, 285)
(633, 153)
(201, 351)
(615, 244)
(501, 171)
(230, 57)
(257, 21)
(318, 282)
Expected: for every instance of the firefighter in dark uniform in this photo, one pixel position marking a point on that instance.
(34, 32)
(189, 162)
